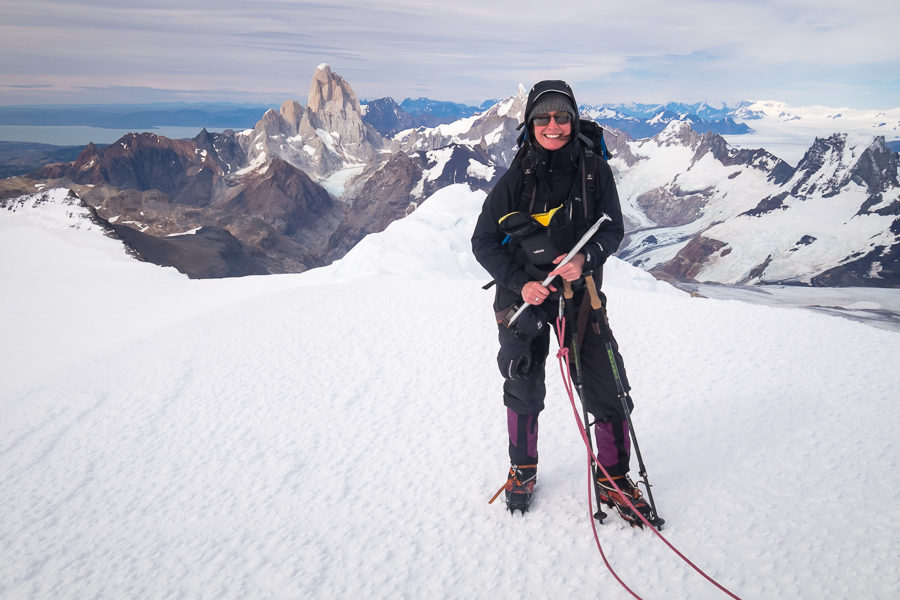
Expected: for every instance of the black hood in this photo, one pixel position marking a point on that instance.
(556, 86)
(549, 86)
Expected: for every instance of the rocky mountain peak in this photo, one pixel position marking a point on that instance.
(714, 144)
(678, 133)
(876, 168)
(829, 164)
(494, 130)
(815, 157)
(333, 107)
(292, 113)
(271, 123)
(330, 93)
(326, 136)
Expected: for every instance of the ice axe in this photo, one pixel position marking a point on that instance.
(584, 240)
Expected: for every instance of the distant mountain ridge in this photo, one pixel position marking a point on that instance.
(136, 116)
(638, 120)
(709, 213)
(307, 182)
(295, 191)
(18, 158)
(389, 117)
(446, 111)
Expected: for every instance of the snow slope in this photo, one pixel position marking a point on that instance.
(338, 433)
(666, 162)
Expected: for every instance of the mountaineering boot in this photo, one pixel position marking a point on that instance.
(519, 487)
(608, 495)
(523, 434)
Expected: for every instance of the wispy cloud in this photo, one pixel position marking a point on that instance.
(806, 52)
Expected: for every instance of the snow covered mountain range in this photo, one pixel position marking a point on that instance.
(296, 191)
(308, 182)
(701, 211)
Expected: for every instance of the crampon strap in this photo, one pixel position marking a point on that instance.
(513, 479)
(563, 356)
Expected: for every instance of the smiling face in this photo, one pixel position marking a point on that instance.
(553, 135)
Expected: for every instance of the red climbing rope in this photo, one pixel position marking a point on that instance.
(563, 356)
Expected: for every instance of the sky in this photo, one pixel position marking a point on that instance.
(827, 52)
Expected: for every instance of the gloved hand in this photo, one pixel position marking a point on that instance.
(594, 255)
(514, 357)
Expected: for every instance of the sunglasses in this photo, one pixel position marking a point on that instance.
(560, 118)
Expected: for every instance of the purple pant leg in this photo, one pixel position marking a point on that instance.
(613, 446)
(523, 436)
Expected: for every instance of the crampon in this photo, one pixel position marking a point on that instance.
(519, 488)
(607, 494)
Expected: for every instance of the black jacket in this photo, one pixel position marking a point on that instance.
(558, 182)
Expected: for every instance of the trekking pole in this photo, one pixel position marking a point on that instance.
(567, 380)
(578, 246)
(566, 300)
(599, 310)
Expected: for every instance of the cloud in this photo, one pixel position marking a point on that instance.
(26, 86)
(464, 51)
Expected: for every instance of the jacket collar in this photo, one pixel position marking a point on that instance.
(566, 157)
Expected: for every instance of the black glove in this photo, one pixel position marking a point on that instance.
(594, 255)
(514, 357)
(513, 363)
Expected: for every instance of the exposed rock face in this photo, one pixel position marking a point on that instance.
(494, 131)
(671, 206)
(876, 169)
(778, 170)
(271, 219)
(334, 107)
(403, 182)
(223, 148)
(326, 136)
(253, 199)
(385, 197)
(768, 204)
(689, 260)
(387, 117)
(209, 253)
(812, 177)
(617, 142)
(308, 182)
(287, 200)
(693, 193)
(144, 161)
(456, 164)
(880, 267)
(834, 220)
(674, 204)
(292, 114)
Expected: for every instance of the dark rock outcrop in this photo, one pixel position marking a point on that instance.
(211, 252)
(385, 197)
(690, 259)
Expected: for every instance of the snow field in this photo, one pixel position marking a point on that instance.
(339, 433)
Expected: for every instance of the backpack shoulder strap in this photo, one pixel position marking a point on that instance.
(529, 184)
(591, 135)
